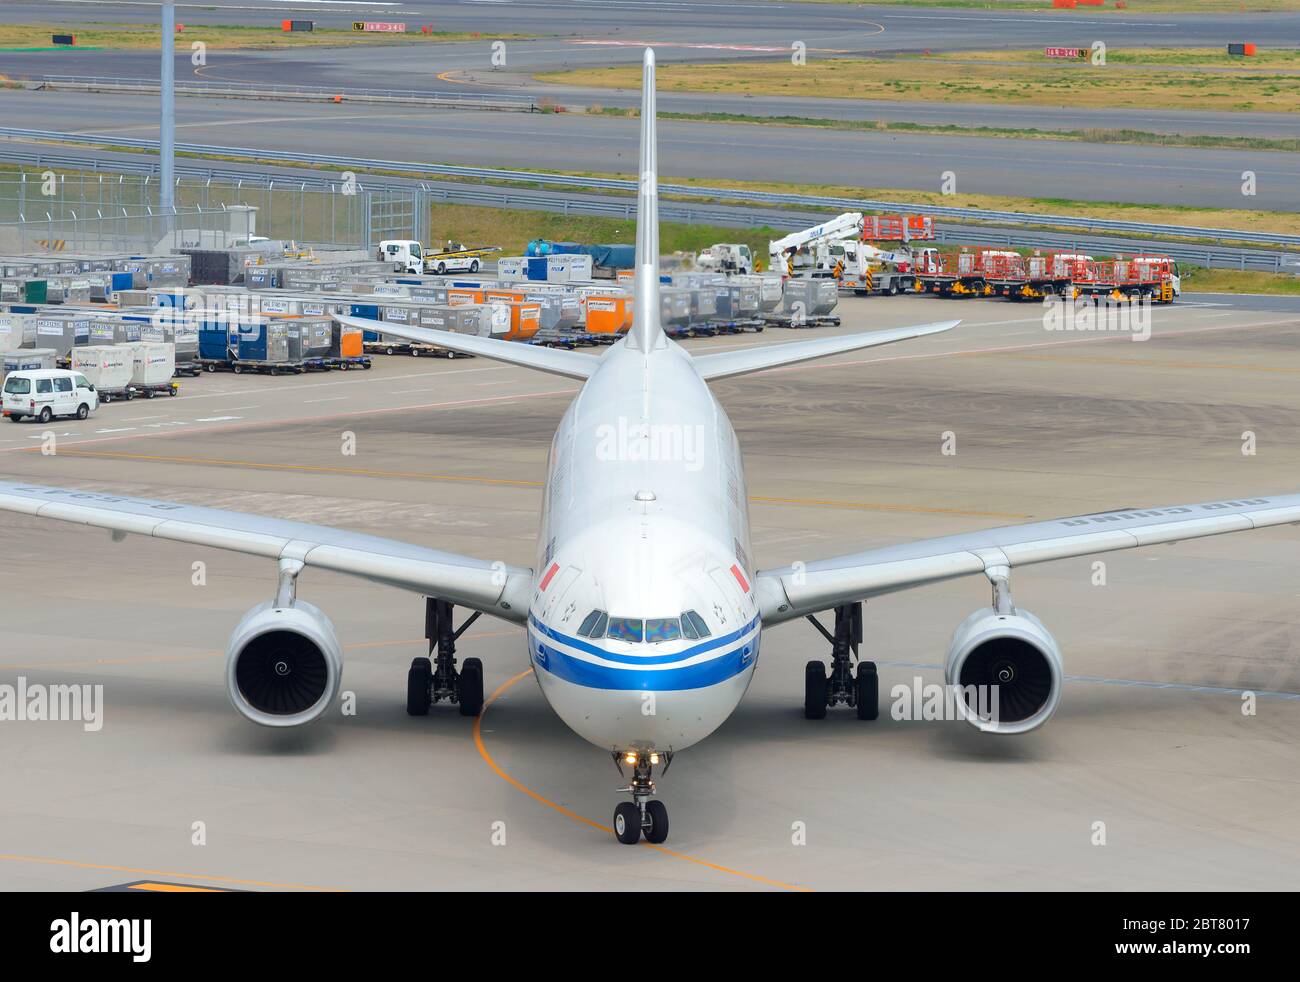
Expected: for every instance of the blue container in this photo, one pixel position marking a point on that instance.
(214, 342)
(120, 281)
(370, 311)
(537, 268)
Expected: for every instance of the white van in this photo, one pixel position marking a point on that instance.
(45, 393)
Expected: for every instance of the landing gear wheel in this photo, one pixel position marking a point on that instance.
(814, 690)
(657, 815)
(627, 823)
(471, 687)
(417, 687)
(867, 684)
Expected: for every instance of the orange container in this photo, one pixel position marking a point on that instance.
(525, 321)
(464, 295)
(350, 343)
(1249, 47)
(501, 296)
(608, 314)
(525, 317)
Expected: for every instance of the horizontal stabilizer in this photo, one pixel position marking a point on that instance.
(555, 361)
(742, 361)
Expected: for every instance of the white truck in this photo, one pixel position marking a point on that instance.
(866, 269)
(407, 256)
(726, 257)
(803, 253)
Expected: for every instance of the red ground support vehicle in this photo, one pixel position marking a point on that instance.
(1038, 276)
(970, 274)
(1153, 277)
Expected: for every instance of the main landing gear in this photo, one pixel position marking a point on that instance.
(641, 815)
(842, 686)
(434, 678)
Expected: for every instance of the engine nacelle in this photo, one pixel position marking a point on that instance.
(283, 664)
(1014, 665)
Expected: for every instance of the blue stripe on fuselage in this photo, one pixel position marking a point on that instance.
(733, 659)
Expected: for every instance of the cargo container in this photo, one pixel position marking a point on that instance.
(674, 307)
(308, 340)
(183, 336)
(347, 347)
(62, 332)
(28, 358)
(607, 315)
(263, 345)
(807, 303)
(153, 363)
(104, 331)
(107, 367)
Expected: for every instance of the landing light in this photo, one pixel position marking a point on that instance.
(630, 758)
(654, 758)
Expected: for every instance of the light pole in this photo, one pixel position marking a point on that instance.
(167, 126)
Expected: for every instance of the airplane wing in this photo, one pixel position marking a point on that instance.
(494, 588)
(742, 361)
(556, 361)
(799, 589)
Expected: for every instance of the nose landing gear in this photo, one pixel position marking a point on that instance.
(641, 816)
(842, 686)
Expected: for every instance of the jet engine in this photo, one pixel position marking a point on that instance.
(1008, 668)
(283, 664)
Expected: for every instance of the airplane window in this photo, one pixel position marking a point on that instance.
(697, 622)
(625, 629)
(588, 628)
(662, 629)
(688, 629)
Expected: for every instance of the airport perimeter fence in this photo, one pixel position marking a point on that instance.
(46, 211)
(105, 209)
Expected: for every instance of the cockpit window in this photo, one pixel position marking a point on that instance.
(593, 625)
(697, 625)
(628, 629)
(662, 629)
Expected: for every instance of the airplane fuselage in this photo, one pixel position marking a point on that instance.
(643, 629)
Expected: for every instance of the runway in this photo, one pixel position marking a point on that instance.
(607, 145)
(842, 455)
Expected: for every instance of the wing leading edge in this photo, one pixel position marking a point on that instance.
(794, 591)
(493, 588)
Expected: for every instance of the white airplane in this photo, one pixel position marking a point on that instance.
(643, 613)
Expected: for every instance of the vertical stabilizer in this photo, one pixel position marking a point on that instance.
(647, 333)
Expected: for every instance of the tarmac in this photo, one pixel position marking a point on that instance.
(1151, 739)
